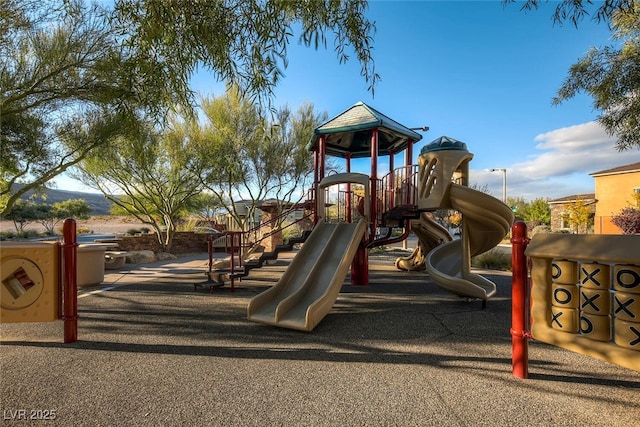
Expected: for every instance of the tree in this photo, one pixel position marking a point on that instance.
(59, 73)
(611, 74)
(577, 215)
(207, 206)
(244, 43)
(627, 220)
(68, 67)
(246, 156)
(51, 215)
(576, 10)
(539, 211)
(22, 214)
(149, 175)
(535, 212)
(519, 206)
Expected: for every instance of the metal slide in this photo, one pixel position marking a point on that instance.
(310, 286)
(486, 220)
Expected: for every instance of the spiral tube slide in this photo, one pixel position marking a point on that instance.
(430, 234)
(485, 222)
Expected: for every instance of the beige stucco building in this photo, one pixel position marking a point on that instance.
(614, 189)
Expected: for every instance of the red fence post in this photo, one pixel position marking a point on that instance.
(70, 255)
(519, 307)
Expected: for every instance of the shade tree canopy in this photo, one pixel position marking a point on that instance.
(73, 66)
(253, 155)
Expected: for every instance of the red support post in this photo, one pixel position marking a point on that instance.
(391, 188)
(374, 183)
(519, 306)
(210, 253)
(70, 255)
(408, 161)
(232, 261)
(349, 196)
(316, 182)
(360, 266)
(322, 147)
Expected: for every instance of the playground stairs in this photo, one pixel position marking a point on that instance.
(268, 256)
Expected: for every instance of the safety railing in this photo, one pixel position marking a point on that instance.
(398, 188)
(238, 243)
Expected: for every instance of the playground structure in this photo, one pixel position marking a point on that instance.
(356, 212)
(579, 292)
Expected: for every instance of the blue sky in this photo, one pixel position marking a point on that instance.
(476, 71)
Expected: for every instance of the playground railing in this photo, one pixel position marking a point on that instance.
(398, 188)
(344, 202)
(239, 243)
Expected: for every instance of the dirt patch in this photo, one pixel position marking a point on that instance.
(102, 224)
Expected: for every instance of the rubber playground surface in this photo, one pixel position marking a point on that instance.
(152, 350)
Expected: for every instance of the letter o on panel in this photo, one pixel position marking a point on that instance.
(565, 272)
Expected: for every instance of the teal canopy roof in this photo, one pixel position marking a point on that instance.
(444, 143)
(350, 132)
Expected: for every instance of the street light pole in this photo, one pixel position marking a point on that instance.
(504, 183)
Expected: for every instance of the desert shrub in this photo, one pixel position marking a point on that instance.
(628, 220)
(291, 232)
(540, 229)
(494, 259)
(188, 225)
(7, 235)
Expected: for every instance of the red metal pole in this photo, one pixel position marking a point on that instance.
(321, 164)
(408, 161)
(392, 179)
(374, 183)
(316, 181)
(210, 251)
(349, 196)
(232, 261)
(70, 253)
(519, 284)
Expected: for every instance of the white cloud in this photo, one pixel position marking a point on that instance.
(567, 156)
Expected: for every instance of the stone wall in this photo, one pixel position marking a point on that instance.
(183, 242)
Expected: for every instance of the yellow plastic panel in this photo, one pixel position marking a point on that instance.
(626, 278)
(595, 302)
(595, 276)
(609, 294)
(626, 306)
(565, 296)
(565, 272)
(29, 282)
(595, 327)
(564, 319)
(627, 334)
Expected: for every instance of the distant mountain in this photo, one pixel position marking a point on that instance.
(99, 205)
